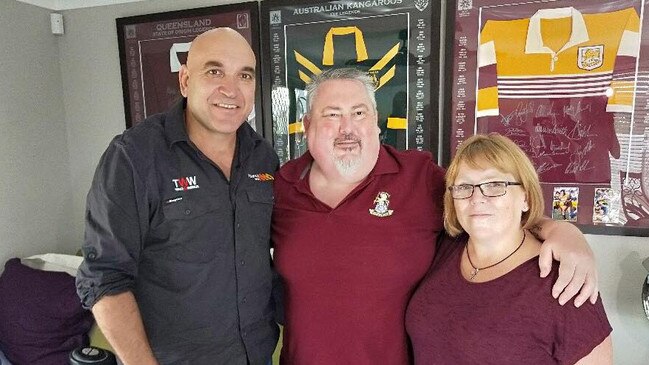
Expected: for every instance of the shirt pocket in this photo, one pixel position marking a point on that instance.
(261, 196)
(194, 228)
(260, 209)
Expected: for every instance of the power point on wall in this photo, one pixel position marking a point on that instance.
(56, 20)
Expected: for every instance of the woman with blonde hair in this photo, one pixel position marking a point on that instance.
(483, 302)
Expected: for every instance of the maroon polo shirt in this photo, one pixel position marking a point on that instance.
(349, 271)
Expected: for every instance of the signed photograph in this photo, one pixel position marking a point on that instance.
(565, 203)
(605, 200)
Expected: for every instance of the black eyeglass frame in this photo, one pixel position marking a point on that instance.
(507, 183)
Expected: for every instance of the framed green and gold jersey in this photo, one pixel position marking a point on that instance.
(395, 41)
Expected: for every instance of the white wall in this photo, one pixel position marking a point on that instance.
(48, 156)
(621, 275)
(35, 193)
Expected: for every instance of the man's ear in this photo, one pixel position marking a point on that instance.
(376, 122)
(306, 121)
(183, 79)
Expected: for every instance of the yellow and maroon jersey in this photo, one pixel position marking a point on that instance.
(558, 53)
(551, 83)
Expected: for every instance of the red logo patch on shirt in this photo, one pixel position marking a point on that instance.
(261, 177)
(185, 183)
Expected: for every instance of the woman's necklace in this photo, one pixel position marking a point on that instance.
(476, 270)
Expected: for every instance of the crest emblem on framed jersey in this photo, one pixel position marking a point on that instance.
(421, 4)
(590, 57)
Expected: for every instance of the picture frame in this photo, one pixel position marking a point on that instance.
(395, 41)
(577, 102)
(152, 48)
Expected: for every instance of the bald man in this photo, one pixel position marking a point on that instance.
(176, 262)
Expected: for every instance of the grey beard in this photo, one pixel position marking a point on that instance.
(347, 166)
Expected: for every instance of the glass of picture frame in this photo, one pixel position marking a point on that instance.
(568, 81)
(152, 48)
(395, 41)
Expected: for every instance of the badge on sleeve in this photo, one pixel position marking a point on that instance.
(382, 202)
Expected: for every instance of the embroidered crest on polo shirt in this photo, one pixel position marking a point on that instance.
(261, 177)
(185, 183)
(381, 205)
(590, 58)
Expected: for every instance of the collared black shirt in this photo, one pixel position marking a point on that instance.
(163, 222)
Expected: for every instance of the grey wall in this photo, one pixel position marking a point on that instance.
(61, 103)
(92, 85)
(36, 192)
(621, 275)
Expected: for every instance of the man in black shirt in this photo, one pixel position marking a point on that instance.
(176, 265)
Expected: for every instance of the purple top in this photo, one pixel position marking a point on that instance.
(510, 320)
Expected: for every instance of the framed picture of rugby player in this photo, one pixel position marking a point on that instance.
(395, 41)
(152, 48)
(567, 81)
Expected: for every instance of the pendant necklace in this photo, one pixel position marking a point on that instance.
(476, 270)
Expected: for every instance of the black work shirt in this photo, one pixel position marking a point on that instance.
(163, 222)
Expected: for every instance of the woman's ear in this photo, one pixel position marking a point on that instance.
(526, 206)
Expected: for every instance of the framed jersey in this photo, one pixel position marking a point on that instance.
(395, 41)
(567, 81)
(152, 47)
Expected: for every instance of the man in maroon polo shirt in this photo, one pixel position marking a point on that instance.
(354, 228)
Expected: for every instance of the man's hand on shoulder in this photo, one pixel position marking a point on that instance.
(577, 269)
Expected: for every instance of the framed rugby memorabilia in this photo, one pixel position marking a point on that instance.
(567, 80)
(152, 48)
(395, 41)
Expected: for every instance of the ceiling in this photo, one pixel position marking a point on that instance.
(74, 4)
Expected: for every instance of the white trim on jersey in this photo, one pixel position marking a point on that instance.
(592, 75)
(486, 54)
(487, 113)
(551, 86)
(579, 34)
(629, 44)
(619, 108)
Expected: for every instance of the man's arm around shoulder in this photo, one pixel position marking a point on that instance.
(577, 269)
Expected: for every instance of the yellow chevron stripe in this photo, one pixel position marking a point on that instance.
(306, 63)
(304, 77)
(387, 77)
(297, 127)
(386, 58)
(397, 123)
